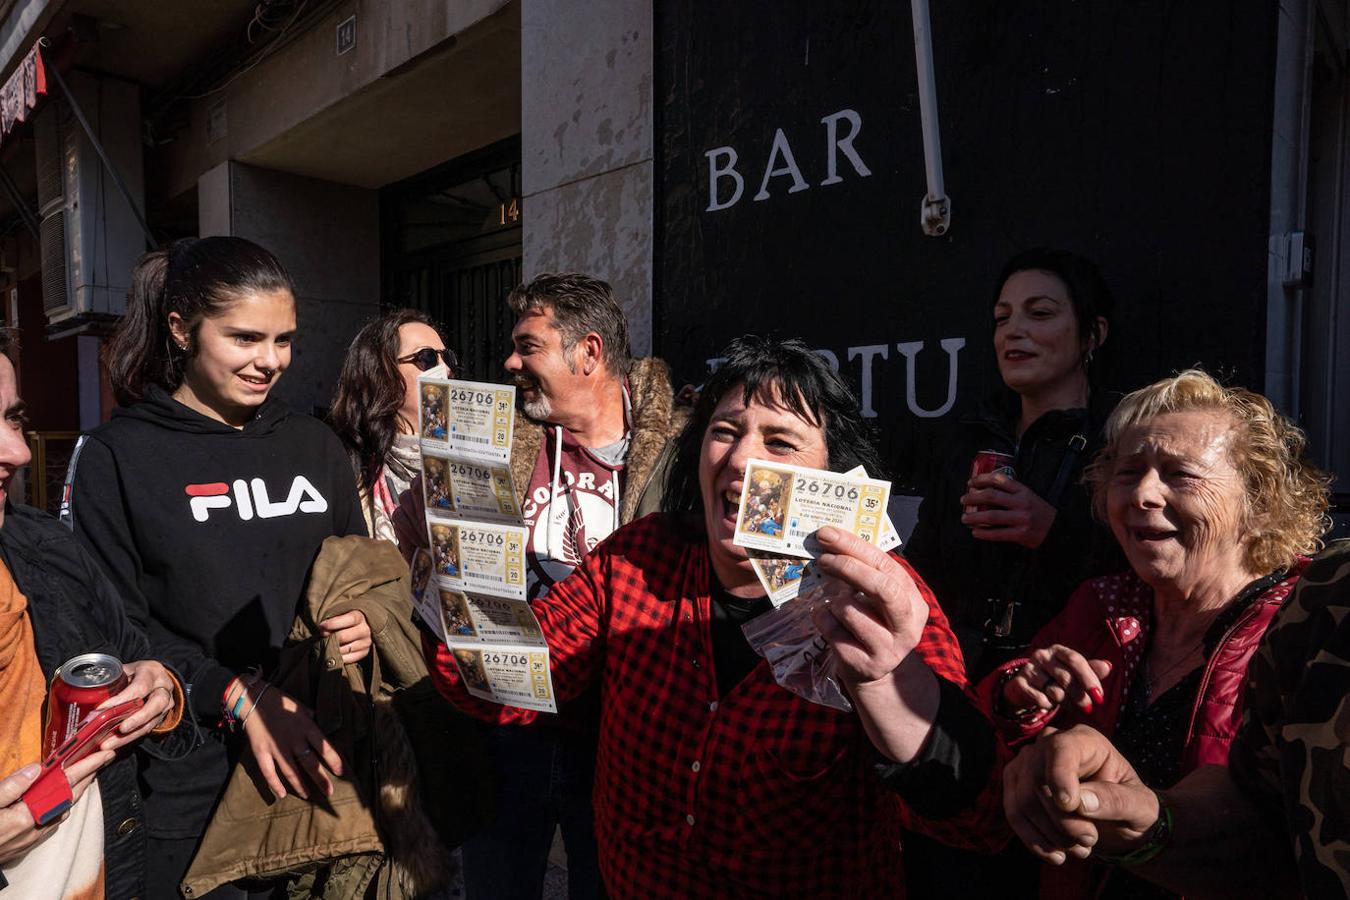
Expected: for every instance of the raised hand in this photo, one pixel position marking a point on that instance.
(874, 615)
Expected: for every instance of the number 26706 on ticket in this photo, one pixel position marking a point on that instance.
(783, 505)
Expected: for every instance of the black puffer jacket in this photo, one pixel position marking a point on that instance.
(74, 610)
(967, 574)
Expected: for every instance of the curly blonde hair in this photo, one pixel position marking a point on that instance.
(1286, 495)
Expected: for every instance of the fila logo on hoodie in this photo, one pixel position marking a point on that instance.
(250, 498)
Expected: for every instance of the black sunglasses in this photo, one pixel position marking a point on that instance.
(426, 359)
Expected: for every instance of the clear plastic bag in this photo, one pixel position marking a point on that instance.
(799, 656)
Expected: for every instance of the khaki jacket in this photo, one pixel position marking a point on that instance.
(340, 846)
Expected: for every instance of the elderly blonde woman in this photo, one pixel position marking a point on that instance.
(1206, 489)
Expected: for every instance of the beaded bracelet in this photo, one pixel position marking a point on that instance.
(236, 693)
(1156, 839)
(233, 691)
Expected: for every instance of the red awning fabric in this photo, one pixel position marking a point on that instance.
(21, 92)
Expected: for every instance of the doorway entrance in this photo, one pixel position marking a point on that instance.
(452, 249)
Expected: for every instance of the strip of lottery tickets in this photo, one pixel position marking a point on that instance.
(496, 643)
(470, 588)
(787, 575)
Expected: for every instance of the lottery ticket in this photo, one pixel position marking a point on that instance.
(464, 488)
(476, 619)
(782, 506)
(422, 591)
(515, 675)
(478, 557)
(890, 538)
(783, 577)
(469, 419)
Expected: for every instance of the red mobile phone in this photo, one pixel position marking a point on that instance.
(93, 729)
(49, 795)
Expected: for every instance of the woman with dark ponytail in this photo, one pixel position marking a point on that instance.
(375, 407)
(206, 500)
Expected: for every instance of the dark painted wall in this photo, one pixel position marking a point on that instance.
(1137, 133)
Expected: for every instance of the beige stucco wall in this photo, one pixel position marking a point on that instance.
(586, 109)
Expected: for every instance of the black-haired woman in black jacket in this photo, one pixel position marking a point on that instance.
(1004, 552)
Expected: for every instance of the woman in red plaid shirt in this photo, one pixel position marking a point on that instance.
(711, 779)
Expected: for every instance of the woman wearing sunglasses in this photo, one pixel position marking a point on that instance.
(375, 407)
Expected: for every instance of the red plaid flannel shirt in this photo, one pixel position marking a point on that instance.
(756, 793)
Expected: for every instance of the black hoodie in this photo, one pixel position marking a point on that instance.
(208, 533)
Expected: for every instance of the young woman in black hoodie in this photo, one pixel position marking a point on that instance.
(206, 500)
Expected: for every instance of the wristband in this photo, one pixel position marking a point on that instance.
(1156, 840)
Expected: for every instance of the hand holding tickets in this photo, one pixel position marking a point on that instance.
(470, 587)
(787, 504)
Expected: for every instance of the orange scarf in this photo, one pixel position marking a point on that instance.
(22, 687)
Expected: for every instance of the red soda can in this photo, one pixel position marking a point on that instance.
(990, 462)
(78, 687)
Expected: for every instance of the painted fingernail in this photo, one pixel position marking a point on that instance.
(1098, 696)
(1087, 707)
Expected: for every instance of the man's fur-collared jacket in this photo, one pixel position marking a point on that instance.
(657, 421)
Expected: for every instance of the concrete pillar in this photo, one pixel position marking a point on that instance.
(586, 147)
(1288, 180)
(328, 237)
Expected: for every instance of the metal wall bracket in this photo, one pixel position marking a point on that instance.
(935, 216)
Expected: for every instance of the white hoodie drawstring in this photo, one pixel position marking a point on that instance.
(553, 491)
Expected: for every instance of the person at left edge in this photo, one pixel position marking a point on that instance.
(206, 499)
(54, 605)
